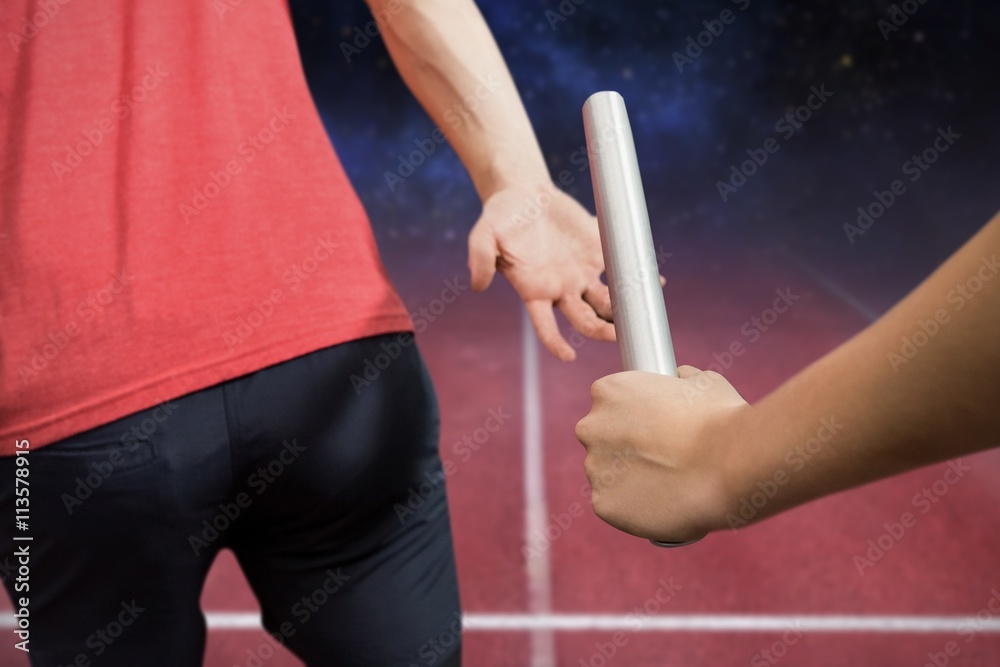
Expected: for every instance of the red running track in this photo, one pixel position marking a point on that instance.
(736, 591)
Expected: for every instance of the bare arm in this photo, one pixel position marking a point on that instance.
(876, 406)
(540, 239)
(449, 60)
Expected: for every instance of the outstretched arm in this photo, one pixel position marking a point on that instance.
(540, 239)
(920, 385)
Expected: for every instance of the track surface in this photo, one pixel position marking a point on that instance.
(603, 598)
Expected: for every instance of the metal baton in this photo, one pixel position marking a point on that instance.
(629, 257)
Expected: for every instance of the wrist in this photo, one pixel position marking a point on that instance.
(738, 460)
(512, 174)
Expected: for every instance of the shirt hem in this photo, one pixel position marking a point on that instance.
(146, 394)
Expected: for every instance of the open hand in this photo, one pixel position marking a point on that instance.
(549, 248)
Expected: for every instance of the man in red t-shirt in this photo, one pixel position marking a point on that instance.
(188, 285)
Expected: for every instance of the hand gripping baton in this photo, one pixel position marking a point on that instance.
(629, 258)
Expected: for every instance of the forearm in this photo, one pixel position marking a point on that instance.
(447, 56)
(900, 407)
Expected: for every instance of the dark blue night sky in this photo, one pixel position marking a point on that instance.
(890, 96)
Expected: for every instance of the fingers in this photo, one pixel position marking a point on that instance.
(585, 427)
(582, 431)
(583, 318)
(685, 372)
(544, 320)
(483, 253)
(610, 398)
(708, 377)
(599, 298)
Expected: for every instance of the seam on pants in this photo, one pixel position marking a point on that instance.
(233, 430)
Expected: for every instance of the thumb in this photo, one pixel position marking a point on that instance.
(483, 253)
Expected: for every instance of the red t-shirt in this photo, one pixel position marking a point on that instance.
(173, 214)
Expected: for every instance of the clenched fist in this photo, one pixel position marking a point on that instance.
(658, 449)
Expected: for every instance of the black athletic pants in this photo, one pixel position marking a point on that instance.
(304, 470)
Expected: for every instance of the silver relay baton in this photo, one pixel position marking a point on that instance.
(629, 257)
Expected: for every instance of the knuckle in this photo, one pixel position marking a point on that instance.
(714, 376)
(600, 505)
(477, 237)
(597, 389)
(616, 383)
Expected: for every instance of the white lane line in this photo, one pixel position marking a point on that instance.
(729, 623)
(543, 647)
(861, 623)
